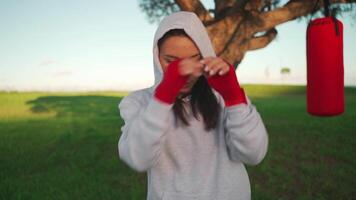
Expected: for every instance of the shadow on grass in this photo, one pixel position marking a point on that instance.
(71, 156)
(77, 106)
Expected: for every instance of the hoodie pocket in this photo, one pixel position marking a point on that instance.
(168, 195)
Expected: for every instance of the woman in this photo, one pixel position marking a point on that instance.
(195, 128)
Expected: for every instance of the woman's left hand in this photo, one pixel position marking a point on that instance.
(222, 77)
(214, 65)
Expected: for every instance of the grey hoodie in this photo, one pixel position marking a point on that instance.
(187, 162)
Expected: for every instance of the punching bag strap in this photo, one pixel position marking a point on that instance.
(326, 8)
(327, 14)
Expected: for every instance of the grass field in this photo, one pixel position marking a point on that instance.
(64, 146)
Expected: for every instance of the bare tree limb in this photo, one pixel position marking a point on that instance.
(195, 6)
(255, 5)
(232, 37)
(290, 11)
(224, 8)
(221, 6)
(240, 5)
(262, 41)
(223, 31)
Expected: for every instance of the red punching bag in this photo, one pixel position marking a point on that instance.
(325, 67)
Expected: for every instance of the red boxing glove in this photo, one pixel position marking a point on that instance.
(172, 82)
(229, 88)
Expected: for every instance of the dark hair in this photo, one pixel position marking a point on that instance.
(202, 101)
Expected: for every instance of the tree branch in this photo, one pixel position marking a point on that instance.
(255, 5)
(262, 41)
(240, 5)
(232, 37)
(224, 8)
(195, 6)
(222, 5)
(290, 11)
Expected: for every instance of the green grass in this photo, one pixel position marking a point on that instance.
(64, 146)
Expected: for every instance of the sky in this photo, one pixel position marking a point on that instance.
(107, 45)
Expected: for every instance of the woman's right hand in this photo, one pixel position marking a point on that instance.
(177, 74)
(172, 82)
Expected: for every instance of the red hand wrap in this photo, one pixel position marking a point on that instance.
(228, 87)
(168, 89)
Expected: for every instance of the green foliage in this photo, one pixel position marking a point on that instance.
(157, 9)
(285, 70)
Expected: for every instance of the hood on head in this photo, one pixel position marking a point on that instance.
(192, 25)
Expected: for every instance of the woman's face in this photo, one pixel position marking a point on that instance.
(179, 47)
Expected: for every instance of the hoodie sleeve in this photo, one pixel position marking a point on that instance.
(246, 136)
(144, 127)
